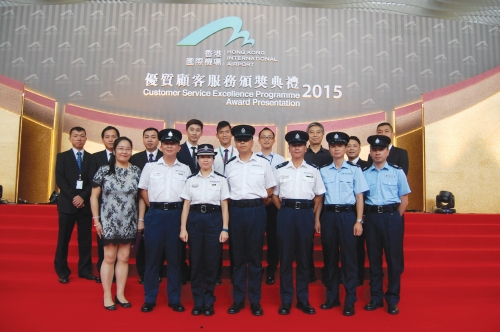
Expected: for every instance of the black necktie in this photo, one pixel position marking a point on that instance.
(225, 157)
(150, 158)
(194, 157)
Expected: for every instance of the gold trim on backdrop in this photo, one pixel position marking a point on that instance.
(424, 177)
(37, 122)
(16, 197)
(52, 158)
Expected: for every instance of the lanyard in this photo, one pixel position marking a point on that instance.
(272, 156)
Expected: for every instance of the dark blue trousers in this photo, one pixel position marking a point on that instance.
(338, 240)
(161, 235)
(272, 238)
(384, 233)
(204, 247)
(295, 230)
(246, 237)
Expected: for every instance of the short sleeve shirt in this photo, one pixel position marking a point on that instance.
(342, 185)
(210, 190)
(387, 185)
(250, 179)
(164, 183)
(303, 182)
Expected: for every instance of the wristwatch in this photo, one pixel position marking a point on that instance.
(360, 221)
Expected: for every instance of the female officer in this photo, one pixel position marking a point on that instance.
(205, 216)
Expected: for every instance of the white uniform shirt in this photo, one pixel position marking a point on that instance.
(218, 165)
(273, 158)
(164, 183)
(249, 180)
(298, 183)
(210, 190)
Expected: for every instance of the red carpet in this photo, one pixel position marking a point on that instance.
(451, 282)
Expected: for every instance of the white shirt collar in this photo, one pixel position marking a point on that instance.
(75, 151)
(155, 153)
(390, 146)
(355, 161)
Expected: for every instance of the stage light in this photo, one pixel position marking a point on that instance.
(54, 197)
(445, 203)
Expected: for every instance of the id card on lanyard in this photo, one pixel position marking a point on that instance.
(79, 182)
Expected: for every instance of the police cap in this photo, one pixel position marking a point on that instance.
(379, 141)
(337, 137)
(170, 135)
(206, 150)
(297, 137)
(243, 132)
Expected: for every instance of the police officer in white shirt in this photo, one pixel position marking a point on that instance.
(161, 186)
(205, 217)
(251, 185)
(297, 194)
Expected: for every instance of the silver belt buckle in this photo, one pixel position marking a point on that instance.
(380, 209)
(297, 205)
(203, 209)
(165, 206)
(337, 209)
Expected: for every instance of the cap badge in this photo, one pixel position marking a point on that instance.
(170, 134)
(377, 141)
(297, 136)
(336, 136)
(243, 130)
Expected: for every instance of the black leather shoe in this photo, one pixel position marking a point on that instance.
(306, 308)
(348, 310)
(122, 304)
(141, 280)
(197, 311)
(89, 276)
(393, 309)
(235, 307)
(373, 306)
(270, 278)
(219, 281)
(312, 279)
(284, 309)
(111, 307)
(176, 307)
(256, 309)
(147, 307)
(329, 305)
(63, 280)
(159, 280)
(208, 310)
(98, 280)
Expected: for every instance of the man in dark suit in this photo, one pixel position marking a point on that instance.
(397, 156)
(140, 159)
(352, 152)
(187, 154)
(101, 158)
(73, 177)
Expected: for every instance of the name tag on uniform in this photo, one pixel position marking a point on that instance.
(195, 185)
(79, 184)
(180, 173)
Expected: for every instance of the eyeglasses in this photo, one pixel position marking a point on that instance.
(265, 138)
(124, 149)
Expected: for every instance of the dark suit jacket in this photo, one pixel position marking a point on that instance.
(398, 157)
(362, 163)
(140, 159)
(66, 176)
(99, 159)
(184, 156)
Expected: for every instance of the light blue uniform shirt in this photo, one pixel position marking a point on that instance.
(342, 185)
(386, 185)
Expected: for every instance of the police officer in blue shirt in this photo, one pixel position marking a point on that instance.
(385, 204)
(341, 223)
(297, 195)
(161, 186)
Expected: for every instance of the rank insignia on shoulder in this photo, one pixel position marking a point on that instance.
(219, 173)
(232, 158)
(395, 166)
(259, 155)
(364, 169)
(311, 164)
(282, 164)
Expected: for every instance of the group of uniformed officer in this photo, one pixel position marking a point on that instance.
(330, 200)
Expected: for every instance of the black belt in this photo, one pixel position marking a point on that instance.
(166, 206)
(244, 203)
(339, 208)
(297, 204)
(381, 208)
(205, 208)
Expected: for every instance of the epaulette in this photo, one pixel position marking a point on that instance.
(219, 174)
(352, 164)
(258, 155)
(283, 164)
(311, 164)
(194, 174)
(395, 166)
(232, 158)
(364, 169)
